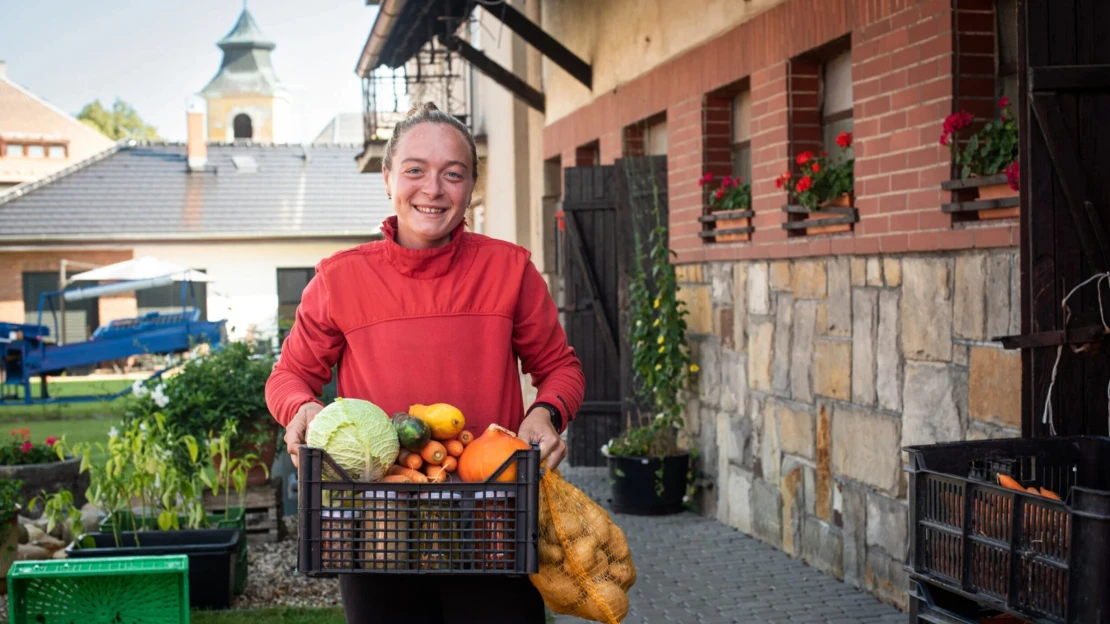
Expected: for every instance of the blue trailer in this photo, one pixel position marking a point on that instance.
(30, 352)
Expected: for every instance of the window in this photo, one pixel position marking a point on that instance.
(290, 284)
(167, 299)
(836, 101)
(58, 151)
(1006, 58)
(15, 150)
(36, 151)
(655, 139)
(742, 135)
(242, 126)
(81, 317)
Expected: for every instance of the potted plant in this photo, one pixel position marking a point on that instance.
(10, 498)
(988, 161)
(648, 469)
(730, 207)
(822, 185)
(38, 466)
(226, 384)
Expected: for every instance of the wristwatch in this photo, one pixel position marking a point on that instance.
(556, 417)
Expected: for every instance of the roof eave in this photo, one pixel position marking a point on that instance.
(379, 33)
(55, 240)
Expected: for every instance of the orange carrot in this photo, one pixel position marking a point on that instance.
(395, 479)
(433, 452)
(436, 474)
(1047, 493)
(415, 475)
(454, 448)
(450, 464)
(408, 459)
(465, 437)
(1009, 482)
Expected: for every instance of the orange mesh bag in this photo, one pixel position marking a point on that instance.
(585, 566)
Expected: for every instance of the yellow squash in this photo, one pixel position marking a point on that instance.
(444, 420)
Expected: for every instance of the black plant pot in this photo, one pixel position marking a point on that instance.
(633, 484)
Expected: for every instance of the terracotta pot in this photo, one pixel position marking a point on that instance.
(998, 191)
(726, 224)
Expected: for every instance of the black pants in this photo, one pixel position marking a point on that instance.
(433, 599)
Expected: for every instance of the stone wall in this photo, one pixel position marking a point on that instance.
(816, 372)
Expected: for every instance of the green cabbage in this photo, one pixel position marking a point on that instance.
(358, 435)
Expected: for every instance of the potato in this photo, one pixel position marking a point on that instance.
(623, 573)
(596, 522)
(618, 545)
(550, 552)
(583, 555)
(559, 591)
(612, 596)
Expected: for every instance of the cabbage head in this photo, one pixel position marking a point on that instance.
(358, 435)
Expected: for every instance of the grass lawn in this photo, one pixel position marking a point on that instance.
(277, 615)
(79, 422)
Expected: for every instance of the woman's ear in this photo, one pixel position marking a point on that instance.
(388, 186)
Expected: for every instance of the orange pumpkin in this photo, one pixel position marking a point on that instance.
(487, 452)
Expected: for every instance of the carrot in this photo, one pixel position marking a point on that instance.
(433, 452)
(450, 464)
(395, 479)
(1033, 490)
(415, 475)
(408, 459)
(1009, 482)
(1047, 493)
(465, 437)
(436, 474)
(454, 448)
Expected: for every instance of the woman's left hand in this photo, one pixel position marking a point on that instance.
(537, 428)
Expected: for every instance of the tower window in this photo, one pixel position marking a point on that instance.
(242, 126)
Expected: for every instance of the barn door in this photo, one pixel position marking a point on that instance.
(1065, 199)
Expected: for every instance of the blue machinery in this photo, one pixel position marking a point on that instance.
(28, 353)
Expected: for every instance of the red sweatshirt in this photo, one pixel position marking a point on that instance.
(443, 325)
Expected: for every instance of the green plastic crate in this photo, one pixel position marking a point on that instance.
(116, 590)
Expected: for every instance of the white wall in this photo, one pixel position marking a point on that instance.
(243, 289)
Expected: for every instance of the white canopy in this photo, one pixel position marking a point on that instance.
(142, 268)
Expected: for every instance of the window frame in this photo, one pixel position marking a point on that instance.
(846, 114)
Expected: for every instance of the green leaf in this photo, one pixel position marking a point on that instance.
(619, 472)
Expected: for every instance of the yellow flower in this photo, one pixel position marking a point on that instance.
(660, 341)
(657, 302)
(694, 368)
(658, 367)
(655, 324)
(662, 349)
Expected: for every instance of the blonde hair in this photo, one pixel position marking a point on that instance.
(428, 113)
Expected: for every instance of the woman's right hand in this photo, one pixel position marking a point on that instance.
(297, 428)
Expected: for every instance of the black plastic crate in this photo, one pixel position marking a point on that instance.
(349, 527)
(1046, 560)
(931, 605)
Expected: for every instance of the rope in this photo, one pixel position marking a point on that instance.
(1098, 278)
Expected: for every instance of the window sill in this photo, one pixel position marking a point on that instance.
(981, 199)
(728, 226)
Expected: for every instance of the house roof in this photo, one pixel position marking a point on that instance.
(27, 117)
(246, 67)
(343, 128)
(143, 191)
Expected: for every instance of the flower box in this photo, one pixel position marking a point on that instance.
(833, 217)
(982, 198)
(728, 226)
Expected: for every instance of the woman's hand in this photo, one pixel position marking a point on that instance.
(537, 428)
(297, 428)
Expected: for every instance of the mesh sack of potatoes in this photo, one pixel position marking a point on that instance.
(585, 566)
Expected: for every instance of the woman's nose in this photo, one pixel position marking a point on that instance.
(432, 187)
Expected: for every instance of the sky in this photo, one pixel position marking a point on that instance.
(71, 52)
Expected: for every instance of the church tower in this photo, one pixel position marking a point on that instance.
(245, 99)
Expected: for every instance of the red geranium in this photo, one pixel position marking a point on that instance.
(844, 140)
(27, 446)
(804, 184)
(1013, 175)
(51, 441)
(804, 157)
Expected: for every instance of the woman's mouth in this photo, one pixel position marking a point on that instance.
(429, 210)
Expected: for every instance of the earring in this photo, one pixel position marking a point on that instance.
(389, 195)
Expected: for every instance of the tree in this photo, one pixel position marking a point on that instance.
(121, 122)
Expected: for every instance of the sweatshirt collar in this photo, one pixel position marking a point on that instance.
(420, 263)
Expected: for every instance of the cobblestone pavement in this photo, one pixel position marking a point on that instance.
(693, 569)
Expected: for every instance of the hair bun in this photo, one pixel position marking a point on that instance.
(421, 108)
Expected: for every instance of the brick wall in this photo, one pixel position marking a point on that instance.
(17, 263)
(905, 59)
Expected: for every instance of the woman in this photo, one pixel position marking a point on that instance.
(432, 314)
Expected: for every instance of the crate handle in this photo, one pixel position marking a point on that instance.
(515, 457)
(331, 462)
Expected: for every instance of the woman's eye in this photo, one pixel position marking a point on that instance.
(413, 171)
(454, 175)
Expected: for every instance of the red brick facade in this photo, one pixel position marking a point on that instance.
(17, 263)
(913, 63)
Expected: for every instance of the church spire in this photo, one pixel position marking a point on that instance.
(246, 68)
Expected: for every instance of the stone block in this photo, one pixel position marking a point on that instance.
(935, 404)
(887, 524)
(720, 282)
(926, 310)
(822, 496)
(707, 446)
(859, 271)
(740, 306)
(740, 499)
(865, 326)
(839, 315)
(759, 292)
(874, 272)
(723, 328)
(892, 272)
(784, 319)
(824, 547)
(755, 417)
(780, 275)
(796, 430)
(697, 300)
(809, 482)
(998, 294)
(886, 578)
(854, 520)
(969, 317)
(734, 380)
(725, 450)
(977, 431)
(810, 279)
(793, 506)
(995, 386)
(709, 372)
(888, 353)
(961, 354)
(832, 369)
(760, 349)
(865, 447)
(767, 512)
(801, 356)
(770, 445)
(736, 441)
